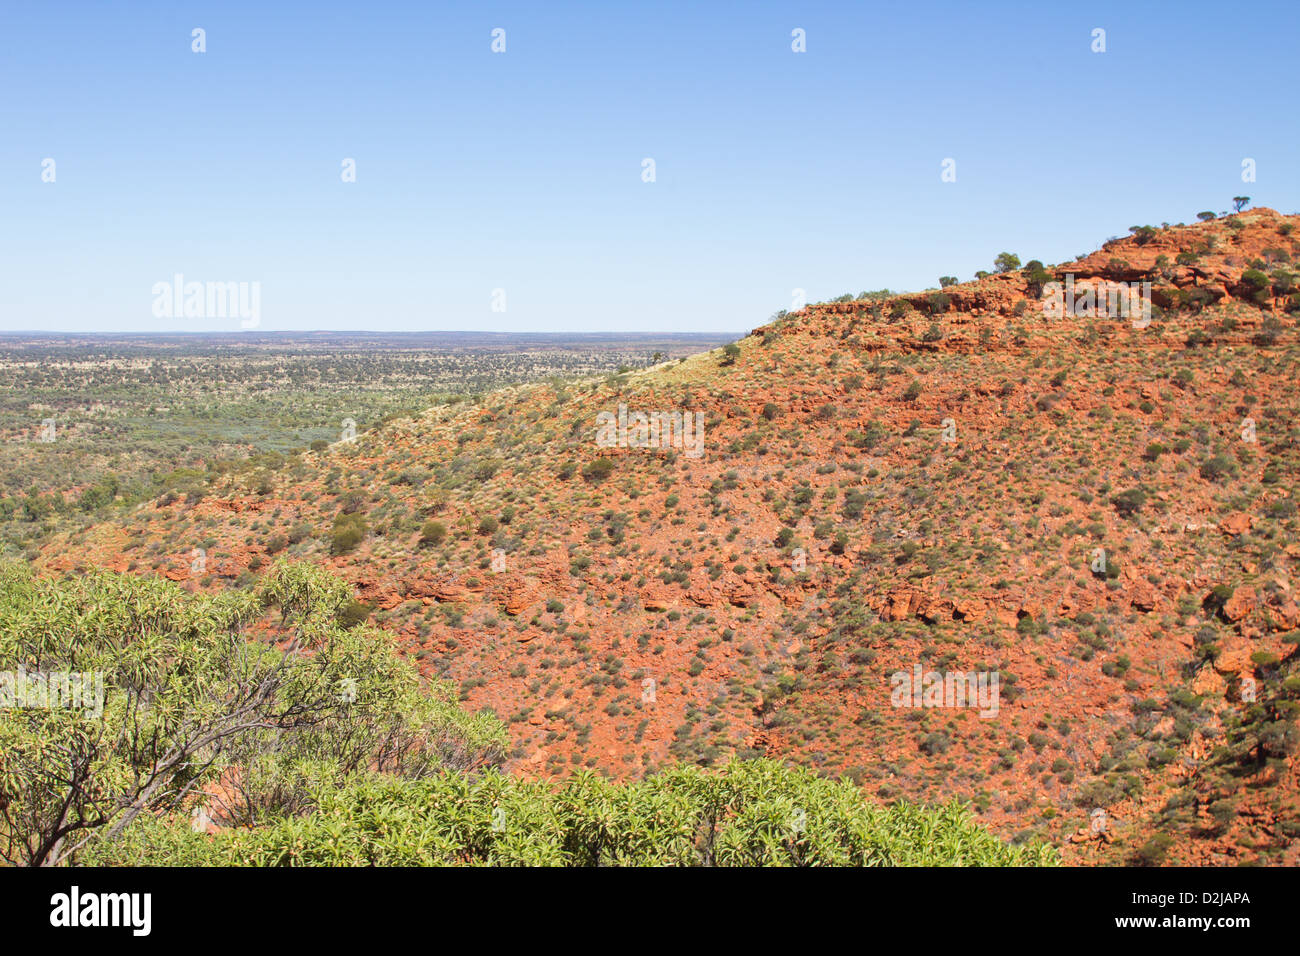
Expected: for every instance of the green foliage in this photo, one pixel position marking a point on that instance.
(598, 470)
(1037, 276)
(855, 502)
(1256, 286)
(1129, 502)
(1153, 852)
(189, 700)
(1218, 467)
(433, 533)
(354, 613)
(349, 531)
(937, 302)
(869, 436)
(750, 814)
(1006, 262)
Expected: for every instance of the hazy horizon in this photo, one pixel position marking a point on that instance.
(253, 333)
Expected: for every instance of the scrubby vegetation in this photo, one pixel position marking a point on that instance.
(306, 742)
(201, 708)
(749, 814)
(138, 419)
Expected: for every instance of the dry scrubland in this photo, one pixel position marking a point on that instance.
(831, 535)
(136, 416)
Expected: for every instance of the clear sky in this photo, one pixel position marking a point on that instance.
(522, 170)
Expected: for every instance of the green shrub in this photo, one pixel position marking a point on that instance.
(349, 532)
(1036, 276)
(750, 813)
(937, 302)
(1153, 852)
(1129, 502)
(433, 533)
(190, 692)
(934, 744)
(1256, 286)
(598, 470)
(1218, 467)
(353, 613)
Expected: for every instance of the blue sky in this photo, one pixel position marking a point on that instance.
(522, 170)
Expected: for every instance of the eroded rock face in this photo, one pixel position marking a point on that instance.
(518, 600)
(1284, 615)
(1242, 602)
(1143, 595)
(899, 605)
(1237, 523)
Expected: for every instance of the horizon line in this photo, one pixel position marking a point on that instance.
(249, 333)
